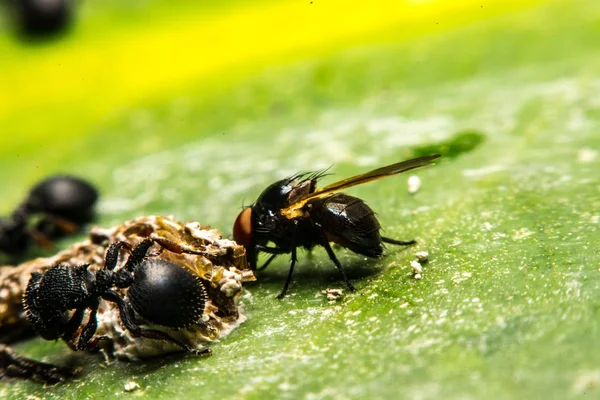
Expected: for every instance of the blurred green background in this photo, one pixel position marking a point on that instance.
(192, 109)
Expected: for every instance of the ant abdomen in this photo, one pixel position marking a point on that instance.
(64, 196)
(166, 294)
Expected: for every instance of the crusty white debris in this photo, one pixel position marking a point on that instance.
(219, 263)
(129, 348)
(422, 256)
(414, 184)
(215, 244)
(333, 294)
(231, 283)
(417, 269)
(131, 386)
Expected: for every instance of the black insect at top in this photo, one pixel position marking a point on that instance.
(64, 196)
(53, 208)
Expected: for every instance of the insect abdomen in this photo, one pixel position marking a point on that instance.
(166, 294)
(350, 222)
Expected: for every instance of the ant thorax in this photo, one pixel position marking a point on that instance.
(220, 264)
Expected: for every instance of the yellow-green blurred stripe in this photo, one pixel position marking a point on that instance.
(79, 84)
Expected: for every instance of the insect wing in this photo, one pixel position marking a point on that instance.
(294, 210)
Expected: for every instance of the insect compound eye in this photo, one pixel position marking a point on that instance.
(166, 294)
(242, 228)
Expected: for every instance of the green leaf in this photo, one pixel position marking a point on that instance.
(508, 305)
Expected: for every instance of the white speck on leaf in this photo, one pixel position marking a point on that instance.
(417, 269)
(131, 386)
(422, 256)
(333, 294)
(414, 184)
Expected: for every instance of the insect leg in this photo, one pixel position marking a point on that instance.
(173, 246)
(72, 326)
(14, 366)
(40, 239)
(294, 259)
(266, 264)
(137, 254)
(333, 258)
(88, 331)
(274, 251)
(271, 250)
(252, 257)
(64, 225)
(112, 256)
(398, 242)
(127, 317)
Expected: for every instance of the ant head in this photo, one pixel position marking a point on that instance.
(45, 319)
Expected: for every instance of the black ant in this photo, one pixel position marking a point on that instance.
(293, 213)
(161, 292)
(56, 206)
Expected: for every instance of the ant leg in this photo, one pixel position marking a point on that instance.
(173, 246)
(112, 255)
(398, 242)
(294, 259)
(66, 226)
(93, 344)
(14, 366)
(72, 326)
(266, 264)
(137, 254)
(333, 258)
(127, 317)
(88, 331)
(40, 239)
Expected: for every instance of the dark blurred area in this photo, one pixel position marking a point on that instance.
(40, 19)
